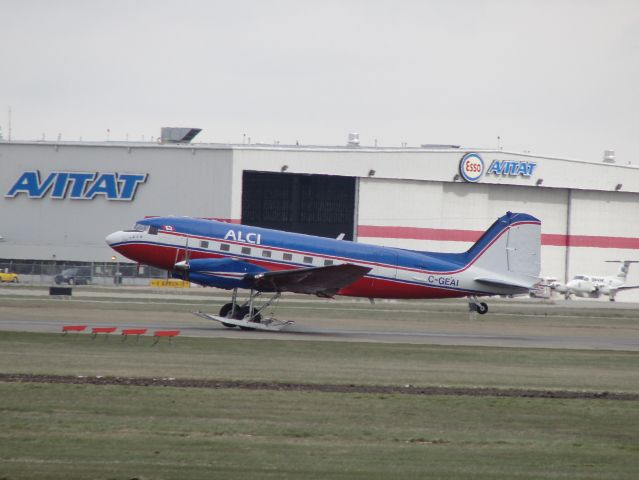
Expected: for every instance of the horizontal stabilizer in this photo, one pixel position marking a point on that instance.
(493, 282)
(322, 281)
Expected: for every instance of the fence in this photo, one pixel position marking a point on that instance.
(92, 273)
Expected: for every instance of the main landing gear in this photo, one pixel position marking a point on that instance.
(474, 305)
(247, 315)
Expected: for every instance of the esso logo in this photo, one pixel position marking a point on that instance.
(471, 167)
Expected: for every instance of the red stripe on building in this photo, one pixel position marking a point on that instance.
(416, 233)
(450, 235)
(595, 241)
(225, 220)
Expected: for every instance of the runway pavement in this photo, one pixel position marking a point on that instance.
(510, 323)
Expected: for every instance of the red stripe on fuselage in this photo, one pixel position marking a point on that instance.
(371, 287)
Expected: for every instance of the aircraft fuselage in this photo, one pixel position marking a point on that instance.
(395, 273)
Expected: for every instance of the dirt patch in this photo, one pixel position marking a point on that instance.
(310, 387)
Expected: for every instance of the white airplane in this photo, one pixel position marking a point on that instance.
(590, 286)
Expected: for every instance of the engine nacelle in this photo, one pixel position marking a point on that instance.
(558, 287)
(225, 273)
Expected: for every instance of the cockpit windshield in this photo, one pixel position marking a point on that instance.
(140, 228)
(580, 277)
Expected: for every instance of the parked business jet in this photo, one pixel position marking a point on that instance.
(504, 261)
(590, 286)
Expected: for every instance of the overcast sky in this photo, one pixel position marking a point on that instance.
(551, 77)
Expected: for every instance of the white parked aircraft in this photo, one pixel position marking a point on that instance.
(590, 286)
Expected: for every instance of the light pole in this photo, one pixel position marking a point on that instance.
(117, 279)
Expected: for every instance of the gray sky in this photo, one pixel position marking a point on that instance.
(554, 77)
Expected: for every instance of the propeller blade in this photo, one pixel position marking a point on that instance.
(187, 257)
(187, 252)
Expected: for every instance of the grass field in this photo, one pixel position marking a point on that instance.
(87, 431)
(70, 431)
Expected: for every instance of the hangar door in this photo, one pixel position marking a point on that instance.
(313, 204)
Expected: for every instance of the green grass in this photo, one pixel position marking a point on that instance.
(73, 431)
(112, 432)
(320, 362)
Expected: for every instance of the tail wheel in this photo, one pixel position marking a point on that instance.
(224, 312)
(482, 308)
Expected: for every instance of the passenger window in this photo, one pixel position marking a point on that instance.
(153, 230)
(204, 244)
(308, 259)
(328, 262)
(266, 253)
(287, 256)
(246, 250)
(225, 247)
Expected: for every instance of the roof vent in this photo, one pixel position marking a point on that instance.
(353, 139)
(609, 156)
(178, 135)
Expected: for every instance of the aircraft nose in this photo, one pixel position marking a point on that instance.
(115, 237)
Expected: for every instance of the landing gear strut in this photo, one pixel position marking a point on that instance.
(474, 305)
(247, 315)
(230, 310)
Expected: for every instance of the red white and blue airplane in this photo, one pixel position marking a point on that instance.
(504, 261)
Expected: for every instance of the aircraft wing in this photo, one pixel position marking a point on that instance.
(628, 287)
(321, 281)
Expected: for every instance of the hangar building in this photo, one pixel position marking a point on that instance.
(60, 199)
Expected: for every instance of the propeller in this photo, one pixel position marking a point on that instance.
(183, 266)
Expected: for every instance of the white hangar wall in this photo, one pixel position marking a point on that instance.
(181, 181)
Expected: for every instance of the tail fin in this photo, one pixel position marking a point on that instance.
(510, 248)
(622, 273)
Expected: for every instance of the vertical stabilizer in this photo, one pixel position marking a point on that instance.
(622, 273)
(511, 247)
